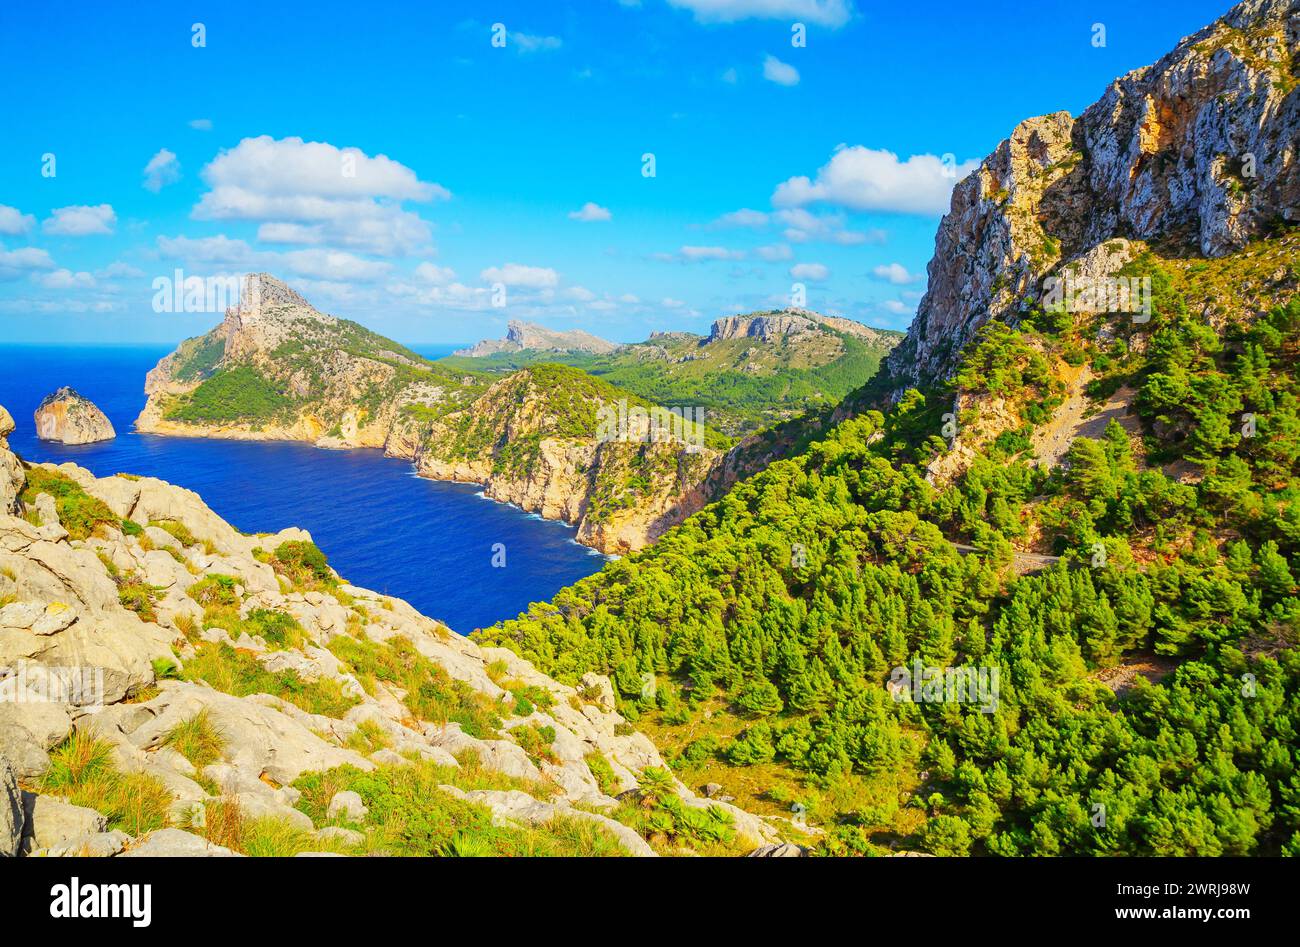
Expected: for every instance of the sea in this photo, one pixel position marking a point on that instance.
(383, 528)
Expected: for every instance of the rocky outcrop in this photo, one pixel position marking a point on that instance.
(11, 471)
(63, 614)
(69, 418)
(12, 819)
(763, 327)
(1198, 149)
(530, 337)
(769, 326)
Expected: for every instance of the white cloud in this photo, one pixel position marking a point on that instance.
(437, 275)
(14, 222)
(317, 194)
(528, 277)
(742, 218)
(162, 169)
(779, 72)
(861, 179)
(895, 273)
(14, 263)
(810, 271)
(201, 124)
(218, 249)
(119, 270)
(333, 264)
(669, 303)
(529, 43)
(775, 253)
(580, 294)
(590, 212)
(730, 76)
(897, 308)
(803, 226)
(316, 263)
(64, 279)
(81, 221)
(701, 254)
(832, 13)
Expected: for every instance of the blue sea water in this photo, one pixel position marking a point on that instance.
(382, 527)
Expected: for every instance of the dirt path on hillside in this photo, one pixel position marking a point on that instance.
(1080, 416)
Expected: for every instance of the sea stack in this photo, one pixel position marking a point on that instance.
(67, 417)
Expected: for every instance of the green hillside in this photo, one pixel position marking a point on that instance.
(743, 384)
(1149, 682)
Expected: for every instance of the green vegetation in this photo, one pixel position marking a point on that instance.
(239, 673)
(82, 771)
(304, 565)
(773, 620)
(241, 393)
(197, 739)
(79, 512)
(742, 384)
(410, 815)
(431, 694)
(197, 358)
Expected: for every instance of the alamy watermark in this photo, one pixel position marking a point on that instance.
(181, 293)
(656, 424)
(81, 686)
(950, 685)
(1099, 294)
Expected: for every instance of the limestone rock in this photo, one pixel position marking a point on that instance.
(528, 336)
(96, 845)
(598, 689)
(12, 816)
(51, 821)
(782, 850)
(1160, 155)
(174, 843)
(347, 805)
(69, 418)
(12, 477)
(28, 729)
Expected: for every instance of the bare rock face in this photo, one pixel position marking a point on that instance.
(69, 418)
(764, 327)
(1199, 148)
(11, 471)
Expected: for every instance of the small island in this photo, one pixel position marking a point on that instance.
(69, 418)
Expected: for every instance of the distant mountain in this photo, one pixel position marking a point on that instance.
(277, 369)
(750, 372)
(530, 337)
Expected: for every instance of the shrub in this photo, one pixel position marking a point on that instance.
(239, 673)
(197, 739)
(79, 512)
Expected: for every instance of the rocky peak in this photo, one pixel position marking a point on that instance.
(1199, 148)
(70, 418)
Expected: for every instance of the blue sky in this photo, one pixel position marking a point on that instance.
(471, 164)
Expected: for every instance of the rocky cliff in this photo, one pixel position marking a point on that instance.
(235, 688)
(1198, 151)
(276, 369)
(768, 326)
(69, 418)
(530, 337)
